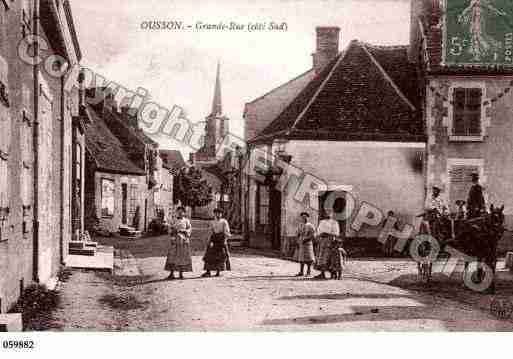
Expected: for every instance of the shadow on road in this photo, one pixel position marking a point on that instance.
(148, 247)
(373, 313)
(343, 296)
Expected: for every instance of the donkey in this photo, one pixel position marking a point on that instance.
(478, 238)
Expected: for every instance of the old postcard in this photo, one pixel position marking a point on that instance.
(229, 166)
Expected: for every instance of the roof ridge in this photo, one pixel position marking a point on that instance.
(341, 57)
(384, 47)
(387, 77)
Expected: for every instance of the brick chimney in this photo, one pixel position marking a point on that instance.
(420, 10)
(327, 46)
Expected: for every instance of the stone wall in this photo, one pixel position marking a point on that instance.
(15, 246)
(387, 175)
(17, 251)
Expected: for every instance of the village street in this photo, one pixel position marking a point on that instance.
(261, 293)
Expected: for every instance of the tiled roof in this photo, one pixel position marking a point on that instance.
(394, 60)
(172, 159)
(366, 93)
(105, 147)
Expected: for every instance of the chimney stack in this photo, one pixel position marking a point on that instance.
(327, 46)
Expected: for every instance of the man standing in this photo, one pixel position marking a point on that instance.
(475, 203)
(436, 202)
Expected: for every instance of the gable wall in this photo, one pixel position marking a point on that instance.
(261, 112)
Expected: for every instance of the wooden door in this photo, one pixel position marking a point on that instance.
(124, 200)
(275, 218)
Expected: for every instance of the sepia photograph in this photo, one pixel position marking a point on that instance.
(226, 166)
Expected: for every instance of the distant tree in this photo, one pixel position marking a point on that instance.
(190, 189)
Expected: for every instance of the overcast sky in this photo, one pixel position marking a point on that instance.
(178, 67)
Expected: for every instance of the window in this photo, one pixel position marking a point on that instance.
(107, 199)
(467, 112)
(262, 207)
(78, 165)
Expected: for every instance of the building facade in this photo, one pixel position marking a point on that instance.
(125, 164)
(467, 109)
(441, 114)
(354, 131)
(36, 130)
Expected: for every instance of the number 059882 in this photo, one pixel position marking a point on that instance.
(18, 344)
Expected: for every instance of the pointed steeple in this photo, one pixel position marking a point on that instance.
(217, 106)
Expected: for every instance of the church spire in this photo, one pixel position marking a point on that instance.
(217, 106)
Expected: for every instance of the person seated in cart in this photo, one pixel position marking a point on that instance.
(435, 208)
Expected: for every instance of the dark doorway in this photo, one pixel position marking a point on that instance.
(124, 199)
(275, 218)
(336, 200)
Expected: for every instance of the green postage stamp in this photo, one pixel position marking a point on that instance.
(478, 32)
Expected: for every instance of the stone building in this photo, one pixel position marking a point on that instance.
(467, 107)
(38, 139)
(125, 165)
(384, 124)
(356, 129)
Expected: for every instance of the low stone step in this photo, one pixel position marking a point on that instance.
(76, 245)
(82, 252)
(91, 244)
(509, 261)
(236, 240)
(11, 322)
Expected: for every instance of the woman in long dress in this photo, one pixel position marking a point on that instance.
(305, 238)
(328, 232)
(217, 256)
(179, 255)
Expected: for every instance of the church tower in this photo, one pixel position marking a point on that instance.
(216, 123)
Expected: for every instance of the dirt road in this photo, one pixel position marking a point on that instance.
(262, 294)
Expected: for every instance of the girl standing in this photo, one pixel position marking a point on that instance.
(217, 256)
(305, 237)
(179, 255)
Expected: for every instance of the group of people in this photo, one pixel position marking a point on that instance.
(321, 248)
(217, 255)
(436, 207)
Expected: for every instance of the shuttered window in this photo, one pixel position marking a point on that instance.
(461, 181)
(467, 112)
